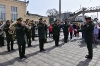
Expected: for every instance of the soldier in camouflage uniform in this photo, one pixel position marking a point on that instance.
(28, 34)
(33, 30)
(9, 37)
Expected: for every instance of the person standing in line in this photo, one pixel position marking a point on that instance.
(41, 33)
(66, 30)
(28, 33)
(46, 30)
(9, 37)
(88, 31)
(1, 36)
(20, 35)
(33, 30)
(56, 33)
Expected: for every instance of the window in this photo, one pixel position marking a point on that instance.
(14, 13)
(2, 13)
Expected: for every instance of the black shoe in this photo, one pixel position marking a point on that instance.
(57, 45)
(46, 42)
(12, 49)
(65, 41)
(33, 39)
(21, 57)
(24, 56)
(30, 46)
(8, 50)
(88, 57)
(43, 50)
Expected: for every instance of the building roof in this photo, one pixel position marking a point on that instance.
(19, 1)
(29, 14)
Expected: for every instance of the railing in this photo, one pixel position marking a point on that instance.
(85, 10)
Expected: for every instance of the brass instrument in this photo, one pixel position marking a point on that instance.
(29, 25)
(12, 27)
(1, 27)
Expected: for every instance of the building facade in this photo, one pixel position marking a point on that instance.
(13, 9)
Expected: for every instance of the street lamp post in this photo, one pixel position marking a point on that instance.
(60, 9)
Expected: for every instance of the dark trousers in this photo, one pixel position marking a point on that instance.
(46, 37)
(50, 34)
(89, 46)
(21, 50)
(71, 34)
(29, 41)
(66, 37)
(33, 35)
(10, 45)
(41, 44)
(1, 40)
(56, 38)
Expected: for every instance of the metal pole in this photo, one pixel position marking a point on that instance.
(97, 15)
(60, 9)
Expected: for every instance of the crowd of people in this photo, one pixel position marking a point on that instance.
(24, 32)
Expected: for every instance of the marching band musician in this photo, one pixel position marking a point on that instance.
(66, 31)
(56, 32)
(28, 33)
(33, 29)
(41, 33)
(46, 27)
(20, 35)
(1, 36)
(9, 37)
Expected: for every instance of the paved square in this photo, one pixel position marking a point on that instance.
(68, 54)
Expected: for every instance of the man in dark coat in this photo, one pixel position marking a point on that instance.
(41, 33)
(33, 30)
(1, 36)
(56, 32)
(66, 30)
(9, 37)
(20, 35)
(88, 32)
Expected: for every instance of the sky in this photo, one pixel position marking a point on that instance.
(41, 6)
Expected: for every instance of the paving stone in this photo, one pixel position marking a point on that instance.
(68, 54)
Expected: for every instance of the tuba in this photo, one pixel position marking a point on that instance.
(12, 27)
(29, 25)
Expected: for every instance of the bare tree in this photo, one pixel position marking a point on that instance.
(52, 12)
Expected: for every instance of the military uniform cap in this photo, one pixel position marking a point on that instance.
(27, 19)
(88, 18)
(19, 19)
(55, 20)
(41, 19)
(66, 19)
(7, 21)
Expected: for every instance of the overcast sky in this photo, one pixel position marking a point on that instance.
(41, 6)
